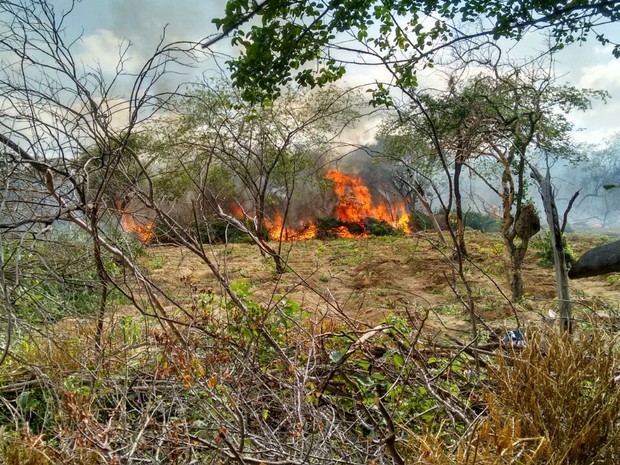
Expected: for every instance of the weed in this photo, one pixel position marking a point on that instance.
(613, 278)
(448, 310)
(561, 391)
(157, 262)
(545, 250)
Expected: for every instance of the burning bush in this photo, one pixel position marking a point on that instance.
(331, 227)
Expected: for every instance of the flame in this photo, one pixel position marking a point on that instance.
(237, 210)
(131, 226)
(356, 205)
(344, 233)
(403, 222)
(277, 229)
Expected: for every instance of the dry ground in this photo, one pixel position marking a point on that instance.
(366, 279)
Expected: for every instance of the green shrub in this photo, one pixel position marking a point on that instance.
(482, 222)
(327, 226)
(381, 228)
(421, 221)
(545, 250)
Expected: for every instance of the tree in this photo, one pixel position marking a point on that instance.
(522, 110)
(64, 154)
(415, 167)
(266, 149)
(402, 34)
(597, 174)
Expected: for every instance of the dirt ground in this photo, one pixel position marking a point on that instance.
(363, 280)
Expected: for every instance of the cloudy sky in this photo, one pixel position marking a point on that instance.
(104, 24)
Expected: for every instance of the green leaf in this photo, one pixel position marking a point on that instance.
(335, 356)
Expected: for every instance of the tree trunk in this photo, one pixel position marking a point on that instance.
(559, 258)
(517, 254)
(460, 222)
(429, 212)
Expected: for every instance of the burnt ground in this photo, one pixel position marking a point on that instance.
(363, 280)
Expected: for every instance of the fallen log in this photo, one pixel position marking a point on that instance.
(599, 260)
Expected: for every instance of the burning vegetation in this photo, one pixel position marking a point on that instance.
(354, 215)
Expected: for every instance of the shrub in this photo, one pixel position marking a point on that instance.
(421, 221)
(482, 222)
(381, 228)
(545, 250)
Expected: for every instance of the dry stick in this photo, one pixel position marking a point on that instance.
(157, 305)
(45, 170)
(7, 304)
(390, 441)
(352, 348)
(499, 289)
(231, 456)
(198, 250)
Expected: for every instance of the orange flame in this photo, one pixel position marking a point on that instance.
(356, 205)
(277, 229)
(131, 226)
(237, 210)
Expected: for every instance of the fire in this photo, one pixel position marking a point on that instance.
(403, 223)
(355, 206)
(237, 210)
(276, 229)
(130, 225)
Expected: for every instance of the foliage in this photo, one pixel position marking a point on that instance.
(381, 228)
(260, 158)
(327, 228)
(421, 221)
(394, 392)
(482, 222)
(545, 250)
(56, 278)
(289, 36)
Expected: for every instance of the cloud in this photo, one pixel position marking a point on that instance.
(601, 76)
(106, 50)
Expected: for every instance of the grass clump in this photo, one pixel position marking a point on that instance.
(561, 394)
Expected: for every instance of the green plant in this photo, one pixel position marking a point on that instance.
(421, 221)
(381, 228)
(482, 222)
(448, 310)
(545, 250)
(613, 278)
(157, 262)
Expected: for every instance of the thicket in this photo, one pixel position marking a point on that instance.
(335, 392)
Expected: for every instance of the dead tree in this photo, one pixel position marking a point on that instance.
(559, 256)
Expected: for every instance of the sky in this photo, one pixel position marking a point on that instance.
(103, 24)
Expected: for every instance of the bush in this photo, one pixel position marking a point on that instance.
(482, 222)
(561, 391)
(212, 231)
(545, 250)
(381, 228)
(421, 221)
